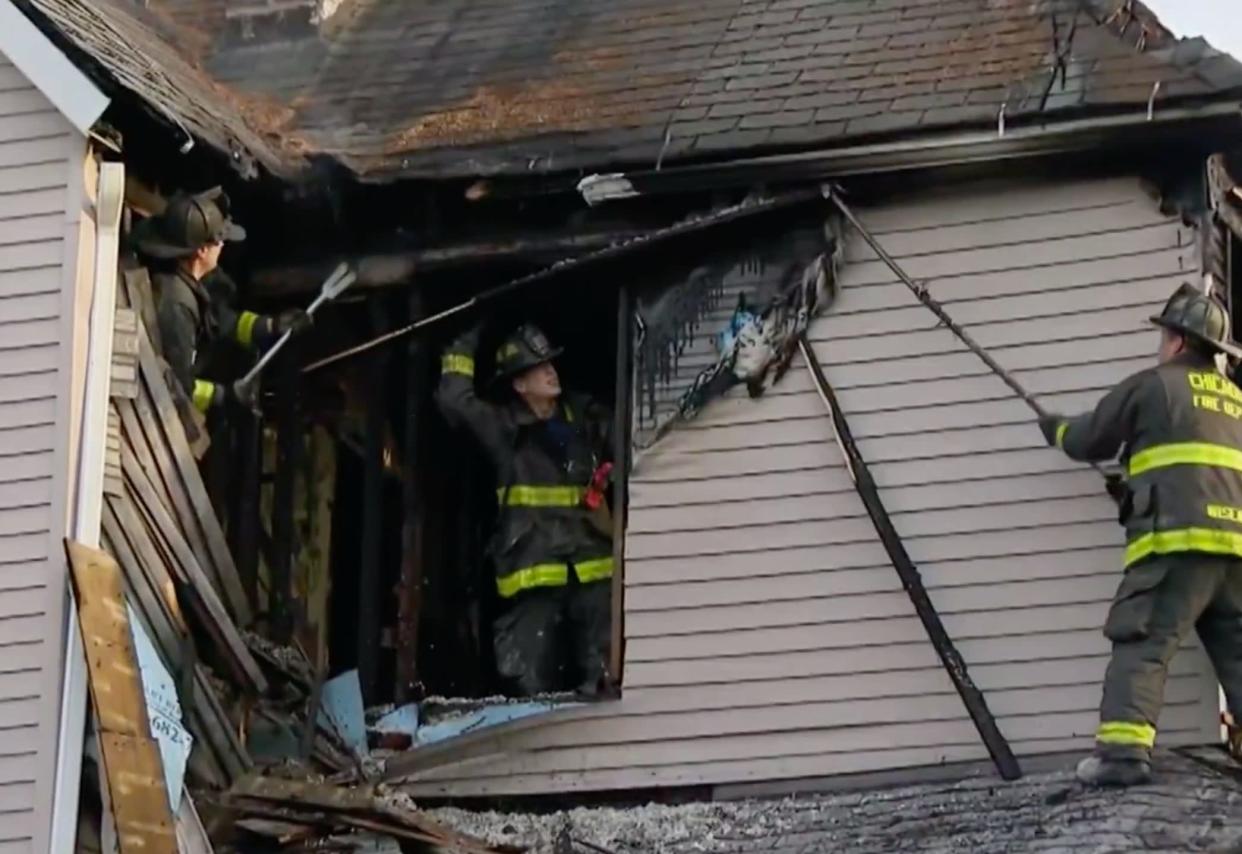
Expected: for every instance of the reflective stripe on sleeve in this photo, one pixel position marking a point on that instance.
(456, 363)
(245, 328)
(204, 395)
(1060, 438)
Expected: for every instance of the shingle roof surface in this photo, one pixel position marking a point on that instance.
(466, 87)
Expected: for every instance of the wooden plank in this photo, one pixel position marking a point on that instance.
(131, 758)
(192, 483)
(146, 574)
(205, 601)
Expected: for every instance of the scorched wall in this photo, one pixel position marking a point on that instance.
(767, 636)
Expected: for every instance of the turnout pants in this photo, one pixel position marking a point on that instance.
(1157, 605)
(555, 638)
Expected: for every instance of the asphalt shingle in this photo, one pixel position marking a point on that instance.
(392, 88)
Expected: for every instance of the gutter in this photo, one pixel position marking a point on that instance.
(953, 148)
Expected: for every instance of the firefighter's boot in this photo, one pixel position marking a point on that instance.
(1233, 737)
(1098, 770)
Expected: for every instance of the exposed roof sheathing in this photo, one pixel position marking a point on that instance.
(394, 88)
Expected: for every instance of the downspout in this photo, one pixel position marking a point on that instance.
(87, 506)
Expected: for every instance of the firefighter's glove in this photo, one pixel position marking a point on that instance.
(1117, 489)
(1048, 425)
(294, 321)
(246, 394)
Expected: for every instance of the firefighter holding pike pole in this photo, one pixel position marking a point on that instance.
(195, 298)
(552, 548)
(1178, 428)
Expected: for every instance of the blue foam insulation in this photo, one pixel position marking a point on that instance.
(486, 716)
(341, 708)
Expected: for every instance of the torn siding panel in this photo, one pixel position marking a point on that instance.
(767, 635)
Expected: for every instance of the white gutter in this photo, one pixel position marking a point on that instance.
(88, 503)
(928, 150)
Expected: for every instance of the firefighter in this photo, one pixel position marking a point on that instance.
(1178, 428)
(552, 553)
(195, 298)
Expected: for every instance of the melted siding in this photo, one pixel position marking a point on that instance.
(38, 150)
(767, 636)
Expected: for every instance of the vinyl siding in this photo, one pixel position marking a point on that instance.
(40, 154)
(768, 637)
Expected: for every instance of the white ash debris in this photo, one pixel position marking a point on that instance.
(651, 829)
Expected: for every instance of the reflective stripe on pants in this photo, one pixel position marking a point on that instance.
(1126, 734)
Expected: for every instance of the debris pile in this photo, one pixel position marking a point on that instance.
(1190, 806)
(210, 719)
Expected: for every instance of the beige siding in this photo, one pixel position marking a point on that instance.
(767, 635)
(40, 159)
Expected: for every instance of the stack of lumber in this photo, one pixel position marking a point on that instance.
(179, 575)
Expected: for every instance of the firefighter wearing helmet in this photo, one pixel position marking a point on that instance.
(1178, 429)
(551, 552)
(195, 310)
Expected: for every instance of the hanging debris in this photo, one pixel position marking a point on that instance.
(734, 319)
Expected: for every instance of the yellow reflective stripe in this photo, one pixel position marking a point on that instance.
(1126, 733)
(1061, 428)
(1186, 454)
(539, 575)
(526, 495)
(456, 363)
(204, 395)
(594, 570)
(245, 328)
(1184, 540)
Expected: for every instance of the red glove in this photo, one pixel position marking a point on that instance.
(599, 484)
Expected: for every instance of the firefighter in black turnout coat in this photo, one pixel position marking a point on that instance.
(552, 548)
(1178, 428)
(195, 298)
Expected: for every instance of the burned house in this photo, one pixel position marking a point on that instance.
(653, 184)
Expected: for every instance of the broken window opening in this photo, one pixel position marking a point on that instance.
(344, 620)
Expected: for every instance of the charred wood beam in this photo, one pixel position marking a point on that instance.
(368, 629)
(390, 269)
(288, 446)
(709, 229)
(246, 526)
(972, 698)
(620, 481)
(410, 590)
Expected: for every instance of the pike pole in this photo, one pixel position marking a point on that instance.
(921, 292)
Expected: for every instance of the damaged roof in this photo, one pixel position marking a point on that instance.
(393, 88)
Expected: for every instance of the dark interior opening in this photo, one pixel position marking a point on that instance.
(455, 485)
